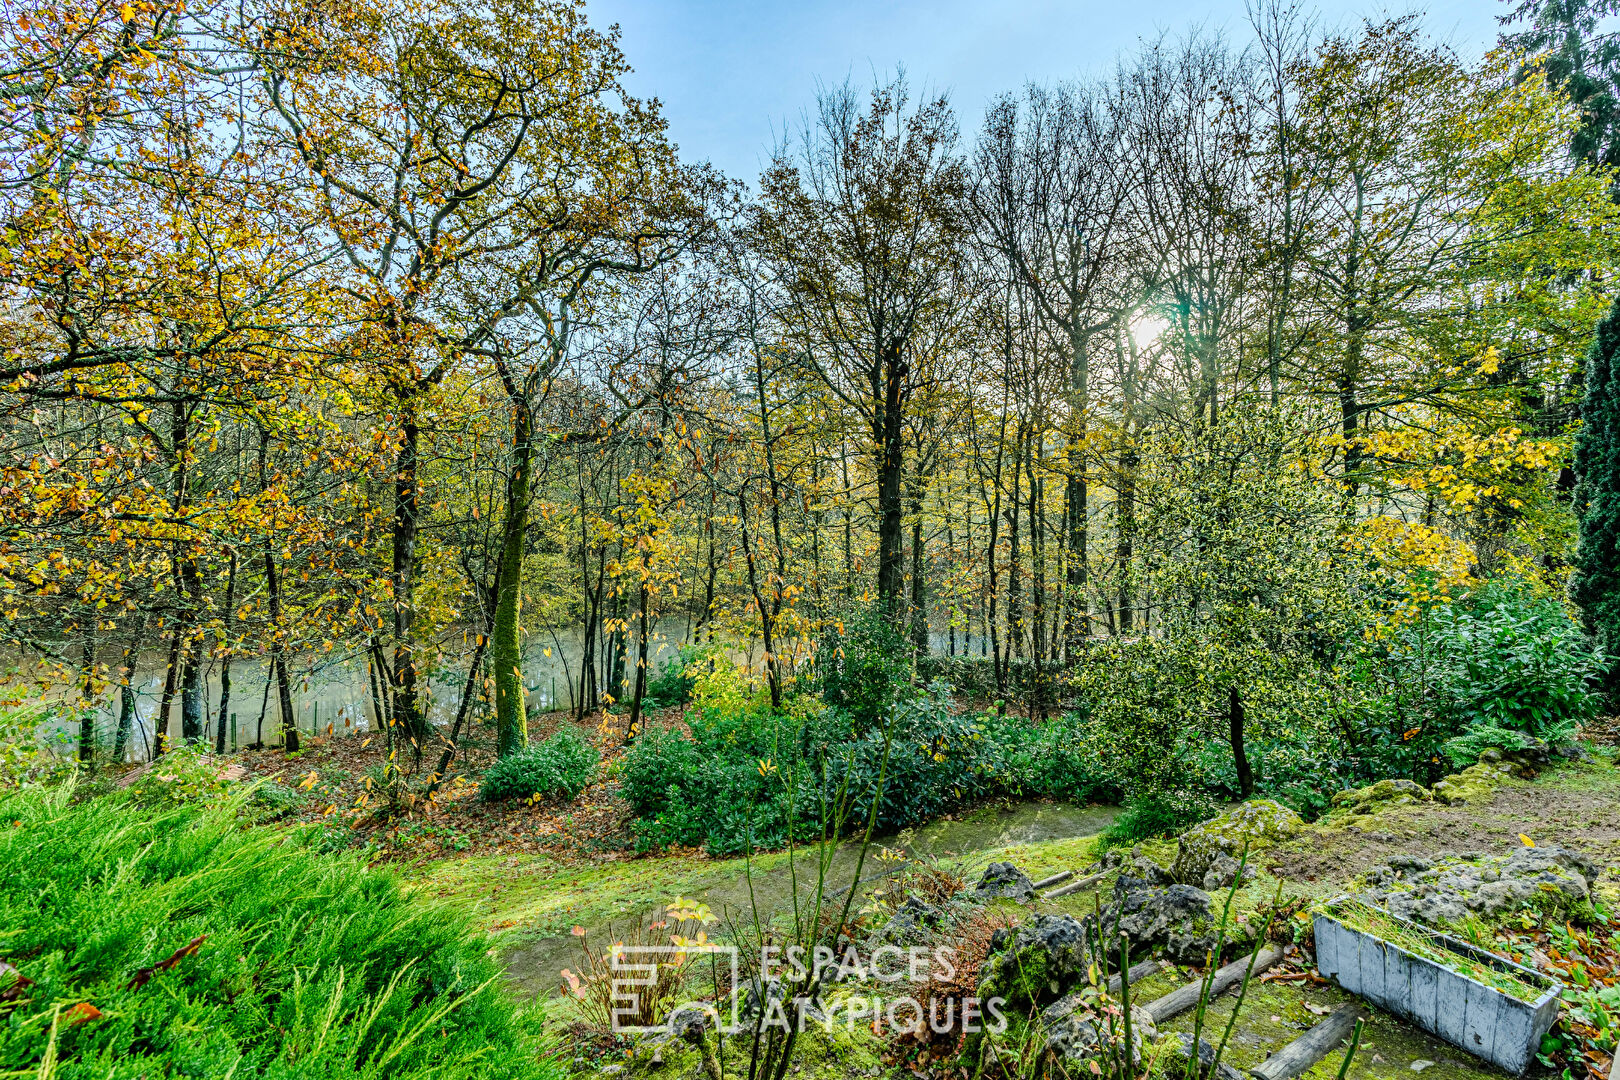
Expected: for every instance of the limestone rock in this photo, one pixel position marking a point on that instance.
(1181, 1045)
(1075, 1034)
(1450, 888)
(1178, 917)
(910, 921)
(1258, 823)
(1004, 880)
(1034, 963)
(1151, 872)
(1224, 873)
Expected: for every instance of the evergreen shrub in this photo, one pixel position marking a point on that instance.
(174, 941)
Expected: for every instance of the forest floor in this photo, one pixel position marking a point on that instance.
(594, 826)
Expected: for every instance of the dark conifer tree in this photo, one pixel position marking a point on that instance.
(1596, 585)
(1565, 38)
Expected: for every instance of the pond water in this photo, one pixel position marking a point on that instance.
(332, 691)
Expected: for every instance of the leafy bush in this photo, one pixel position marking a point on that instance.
(735, 780)
(271, 800)
(558, 768)
(863, 666)
(184, 774)
(175, 942)
(712, 784)
(937, 759)
(1158, 813)
(1497, 667)
(25, 748)
(675, 680)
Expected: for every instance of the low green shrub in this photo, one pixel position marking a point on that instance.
(679, 674)
(730, 781)
(272, 800)
(937, 759)
(184, 774)
(175, 942)
(34, 744)
(558, 768)
(1161, 813)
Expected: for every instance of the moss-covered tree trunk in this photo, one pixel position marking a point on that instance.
(506, 645)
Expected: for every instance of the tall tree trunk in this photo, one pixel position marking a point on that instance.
(506, 646)
(87, 724)
(407, 494)
(767, 622)
(888, 434)
(1240, 757)
(585, 700)
(467, 693)
(193, 692)
(126, 720)
(372, 670)
(1077, 499)
(1015, 607)
(638, 692)
(1123, 552)
(849, 527)
(278, 653)
(950, 611)
(278, 645)
(1037, 556)
(1128, 464)
(919, 583)
(618, 643)
(225, 656)
(160, 724)
(706, 621)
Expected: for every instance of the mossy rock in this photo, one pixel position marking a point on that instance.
(1476, 784)
(1381, 796)
(836, 1050)
(1257, 824)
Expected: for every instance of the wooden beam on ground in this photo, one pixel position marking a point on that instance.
(1056, 879)
(1310, 1047)
(1137, 973)
(1206, 1058)
(1076, 886)
(1183, 998)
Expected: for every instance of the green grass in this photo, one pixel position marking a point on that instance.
(307, 965)
(1370, 920)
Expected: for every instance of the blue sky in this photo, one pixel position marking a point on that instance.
(731, 72)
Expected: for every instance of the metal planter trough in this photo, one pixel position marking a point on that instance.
(1484, 1020)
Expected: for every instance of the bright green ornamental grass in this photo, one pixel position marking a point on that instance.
(178, 942)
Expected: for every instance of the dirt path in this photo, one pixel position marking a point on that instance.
(1574, 805)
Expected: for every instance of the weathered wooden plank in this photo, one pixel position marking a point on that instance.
(1056, 879)
(1183, 998)
(1076, 886)
(1311, 1047)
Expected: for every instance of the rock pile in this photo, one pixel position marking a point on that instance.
(1450, 888)
(1178, 917)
